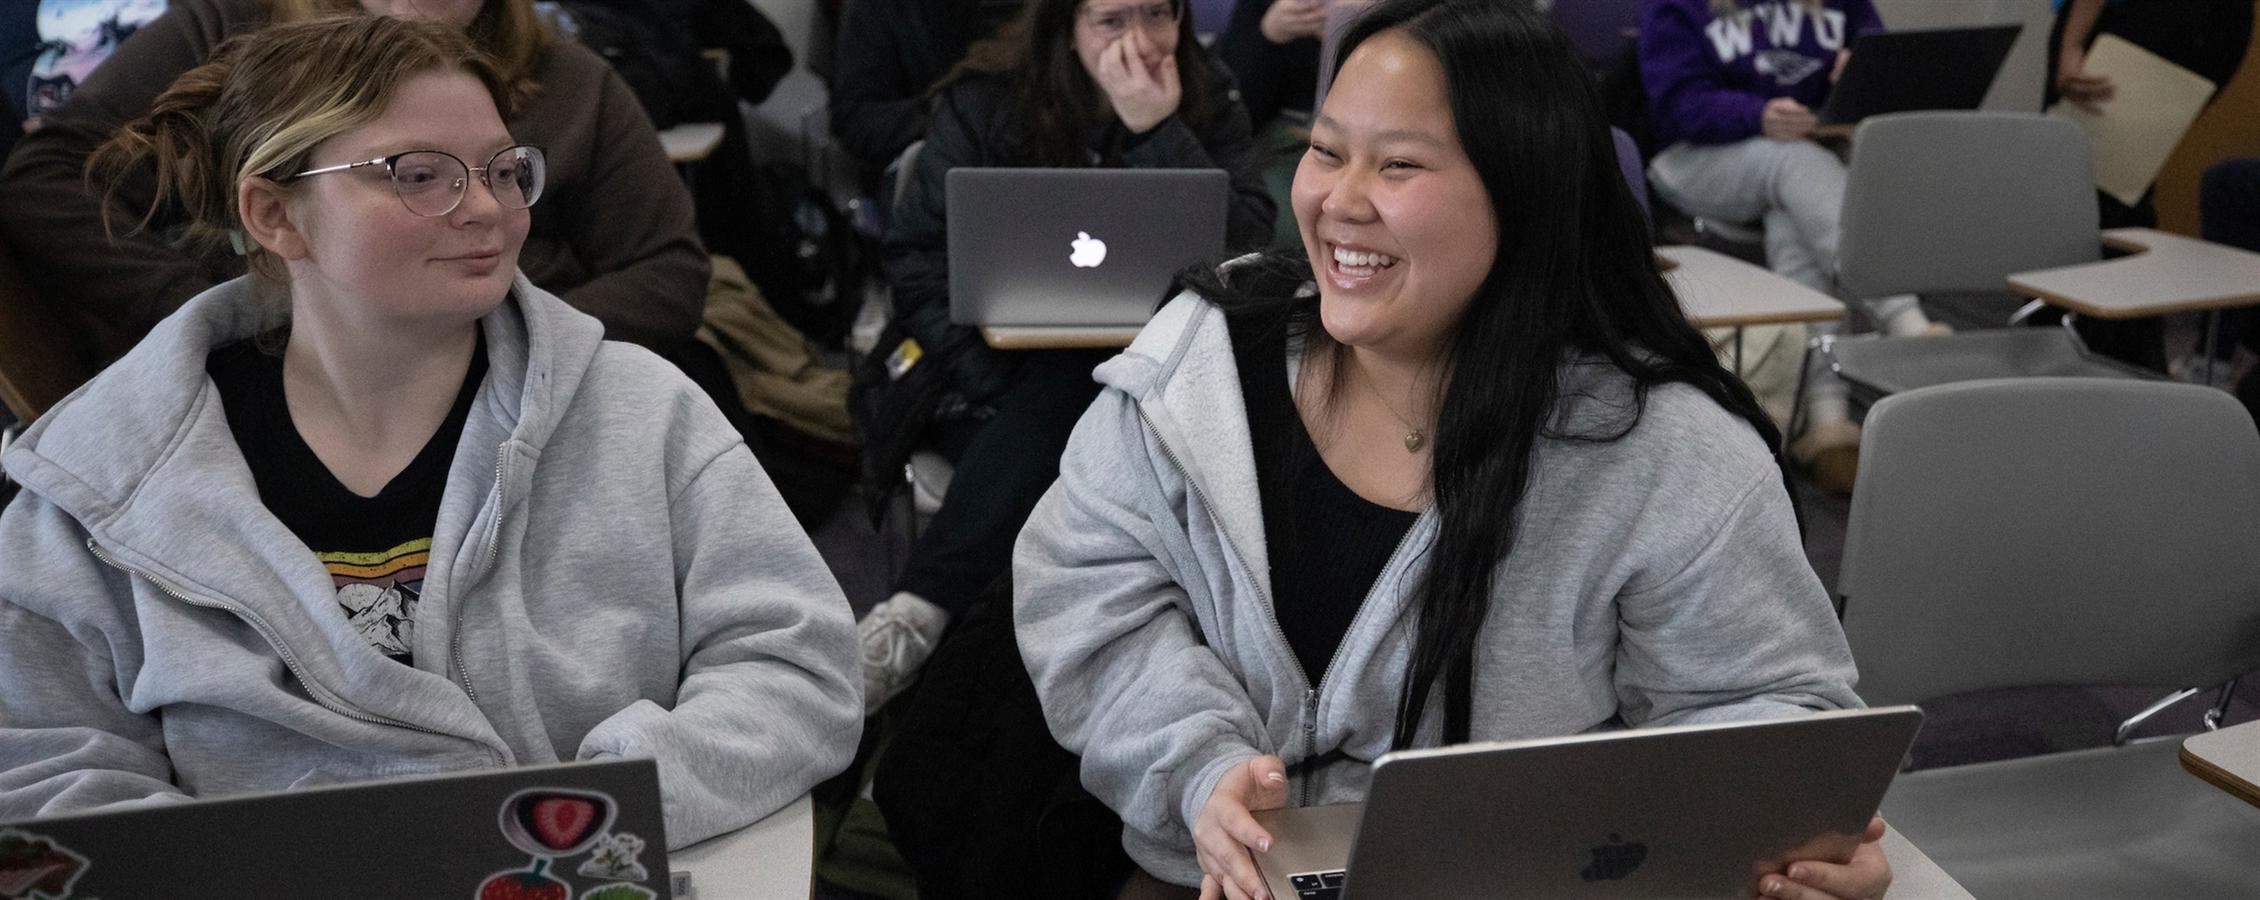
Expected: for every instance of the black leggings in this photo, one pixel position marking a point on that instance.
(1004, 465)
(2229, 206)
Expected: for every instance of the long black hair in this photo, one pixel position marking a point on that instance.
(1056, 98)
(1575, 275)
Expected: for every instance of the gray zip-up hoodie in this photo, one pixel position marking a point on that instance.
(611, 575)
(1658, 579)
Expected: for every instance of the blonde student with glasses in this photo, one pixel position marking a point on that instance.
(616, 238)
(382, 506)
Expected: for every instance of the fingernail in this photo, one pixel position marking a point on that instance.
(1275, 777)
(1771, 886)
(1264, 845)
(1799, 872)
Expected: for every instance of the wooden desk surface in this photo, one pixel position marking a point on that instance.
(2168, 273)
(1913, 875)
(772, 859)
(1058, 337)
(1719, 291)
(691, 141)
(2229, 759)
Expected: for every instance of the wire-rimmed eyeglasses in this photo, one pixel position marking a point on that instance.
(433, 182)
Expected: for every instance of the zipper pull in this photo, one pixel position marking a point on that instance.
(1310, 742)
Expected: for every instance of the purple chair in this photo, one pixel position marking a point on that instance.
(1210, 16)
(1628, 162)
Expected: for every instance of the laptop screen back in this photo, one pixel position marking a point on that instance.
(1088, 247)
(1666, 812)
(1907, 71)
(590, 831)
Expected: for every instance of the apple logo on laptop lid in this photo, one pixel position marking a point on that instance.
(1089, 251)
(1615, 859)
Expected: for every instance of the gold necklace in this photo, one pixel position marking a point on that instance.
(1414, 438)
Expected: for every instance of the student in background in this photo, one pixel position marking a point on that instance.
(1480, 481)
(616, 239)
(1071, 83)
(48, 46)
(384, 507)
(1733, 85)
(2229, 207)
(2207, 37)
(1272, 48)
(891, 54)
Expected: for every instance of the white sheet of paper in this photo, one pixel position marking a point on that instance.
(2154, 103)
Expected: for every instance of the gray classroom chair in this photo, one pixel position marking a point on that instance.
(1939, 202)
(2035, 532)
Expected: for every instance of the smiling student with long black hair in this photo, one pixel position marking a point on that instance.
(1458, 469)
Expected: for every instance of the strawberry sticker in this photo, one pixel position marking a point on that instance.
(560, 823)
(529, 884)
(556, 822)
(35, 868)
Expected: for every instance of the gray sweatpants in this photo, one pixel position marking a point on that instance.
(1796, 190)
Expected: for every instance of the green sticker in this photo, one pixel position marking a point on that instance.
(619, 892)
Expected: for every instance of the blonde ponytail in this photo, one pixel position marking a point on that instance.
(261, 105)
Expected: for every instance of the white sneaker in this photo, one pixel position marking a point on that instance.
(897, 636)
(2191, 368)
(1912, 323)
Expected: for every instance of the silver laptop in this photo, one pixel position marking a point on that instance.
(1087, 247)
(1906, 71)
(1693, 811)
(591, 831)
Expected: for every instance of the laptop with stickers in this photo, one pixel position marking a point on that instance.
(581, 831)
(1696, 811)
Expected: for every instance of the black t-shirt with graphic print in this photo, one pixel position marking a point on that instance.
(375, 548)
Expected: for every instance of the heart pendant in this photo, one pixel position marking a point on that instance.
(1414, 440)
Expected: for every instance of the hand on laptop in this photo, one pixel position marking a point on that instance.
(1225, 831)
(1142, 96)
(1865, 877)
(1785, 119)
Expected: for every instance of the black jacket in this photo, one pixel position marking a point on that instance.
(1273, 77)
(976, 123)
(889, 54)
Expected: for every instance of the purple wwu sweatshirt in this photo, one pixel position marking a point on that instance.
(1708, 78)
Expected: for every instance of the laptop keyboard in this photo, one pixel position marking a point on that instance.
(1317, 885)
